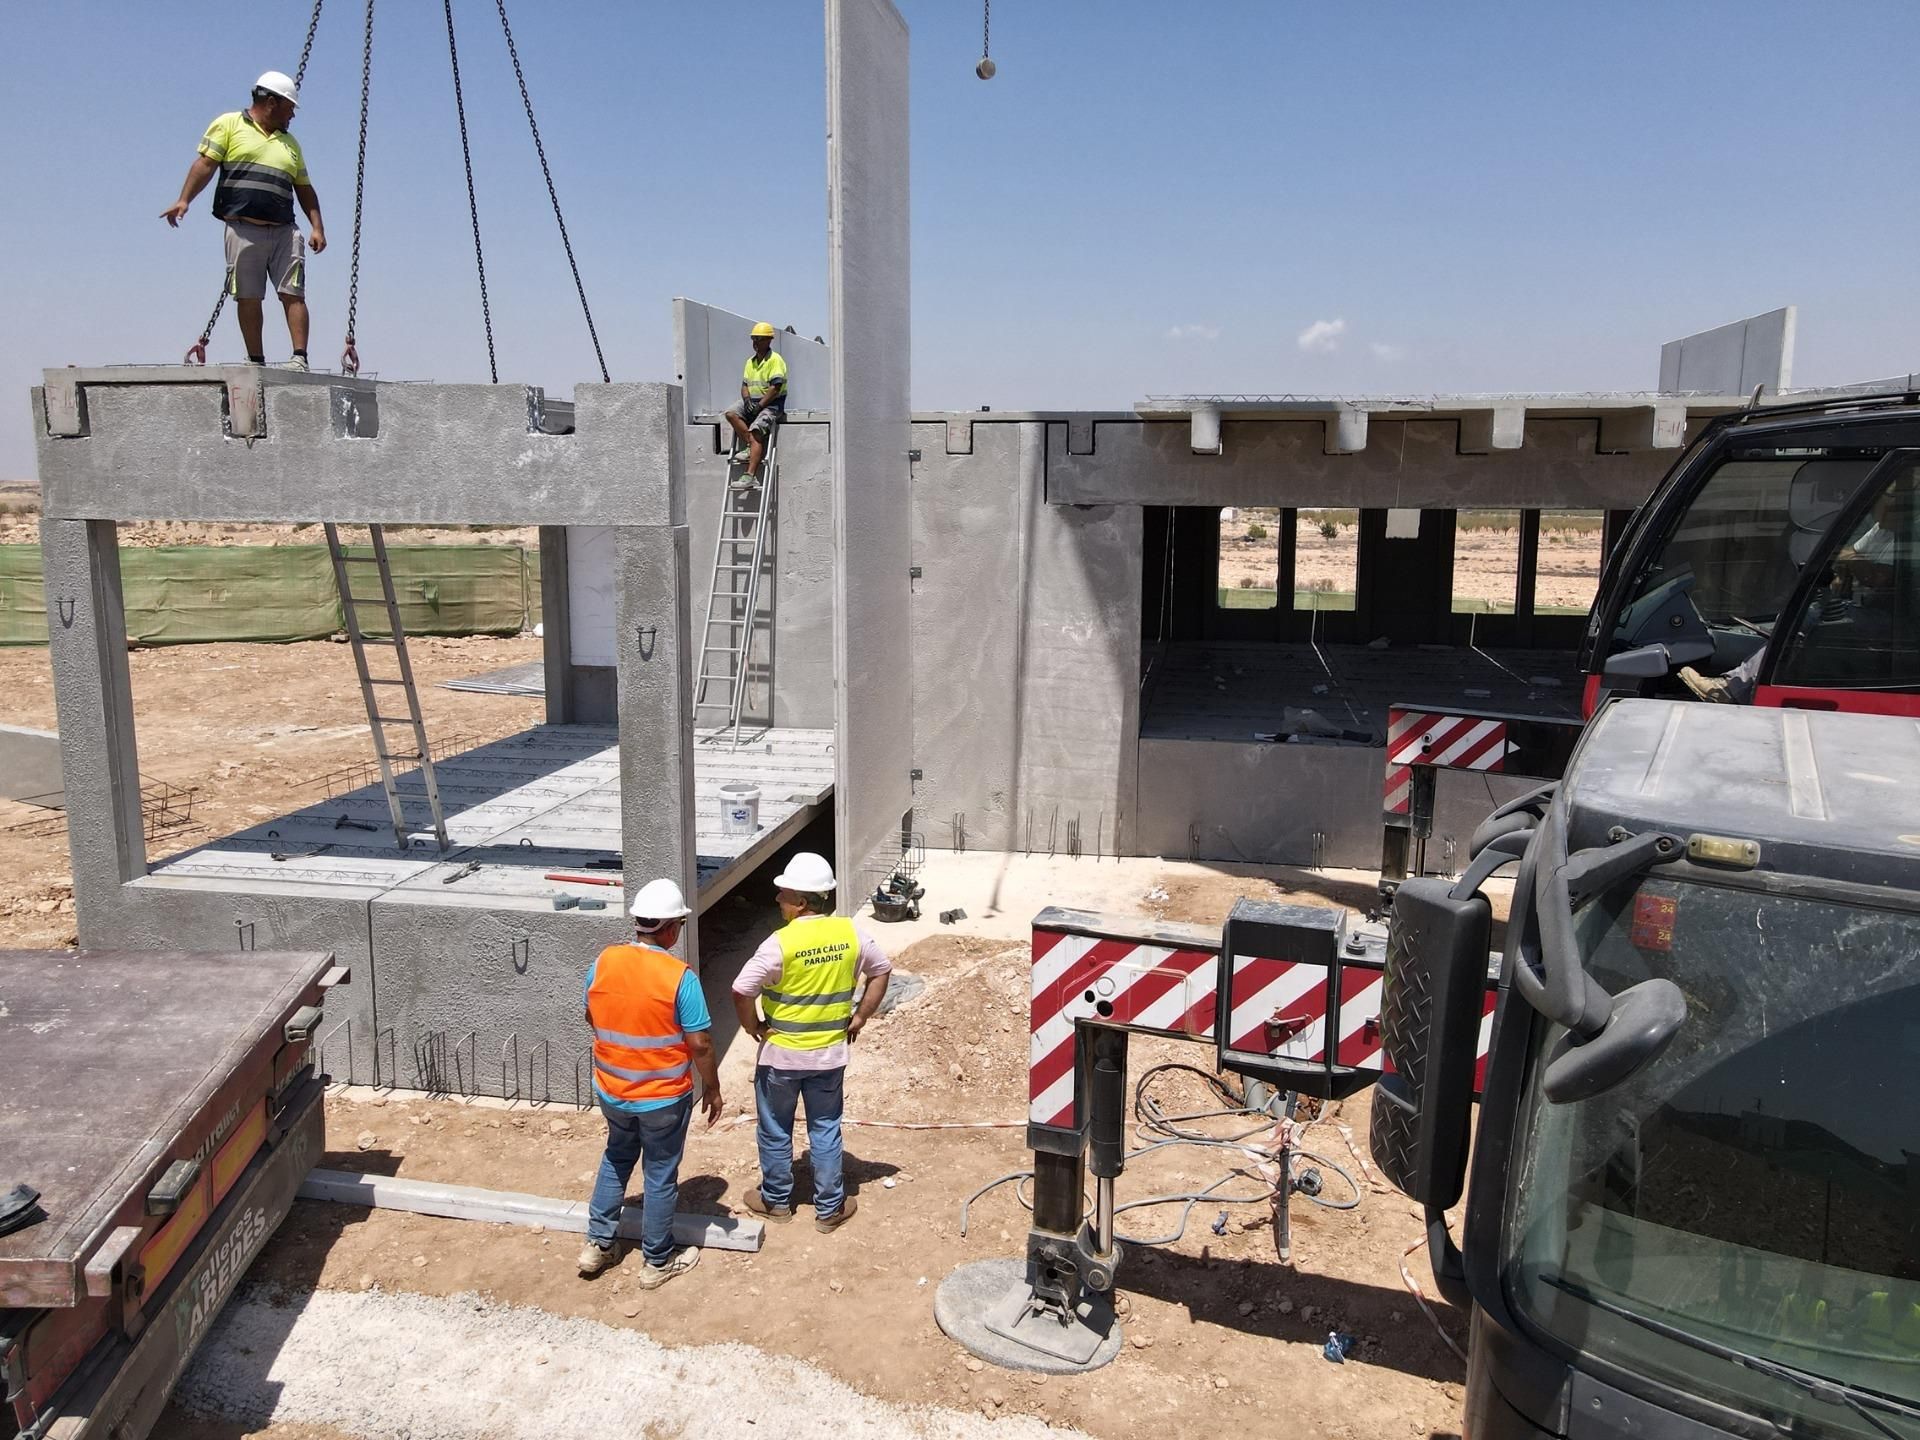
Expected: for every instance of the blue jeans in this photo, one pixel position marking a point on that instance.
(777, 1094)
(656, 1138)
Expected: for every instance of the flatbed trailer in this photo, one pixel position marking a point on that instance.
(164, 1105)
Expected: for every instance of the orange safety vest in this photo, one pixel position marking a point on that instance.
(639, 1049)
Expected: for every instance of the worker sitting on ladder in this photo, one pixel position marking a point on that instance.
(262, 173)
(763, 402)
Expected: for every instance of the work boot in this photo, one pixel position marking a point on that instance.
(298, 362)
(595, 1258)
(1710, 688)
(652, 1277)
(839, 1217)
(757, 1203)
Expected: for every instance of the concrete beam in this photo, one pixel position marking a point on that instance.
(170, 448)
(1648, 427)
(1501, 428)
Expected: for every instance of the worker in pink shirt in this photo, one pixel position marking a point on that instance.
(801, 997)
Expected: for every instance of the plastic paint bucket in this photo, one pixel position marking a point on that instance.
(739, 808)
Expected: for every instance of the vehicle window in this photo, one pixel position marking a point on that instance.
(1862, 629)
(1749, 529)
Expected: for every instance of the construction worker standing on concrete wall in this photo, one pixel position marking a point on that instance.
(649, 1021)
(763, 401)
(804, 977)
(262, 173)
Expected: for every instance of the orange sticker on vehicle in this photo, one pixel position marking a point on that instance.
(1653, 921)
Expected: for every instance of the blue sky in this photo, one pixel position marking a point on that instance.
(1149, 198)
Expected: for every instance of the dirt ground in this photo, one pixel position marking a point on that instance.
(251, 729)
(1484, 562)
(1220, 1335)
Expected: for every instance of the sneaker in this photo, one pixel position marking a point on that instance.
(1710, 688)
(595, 1258)
(757, 1203)
(839, 1217)
(296, 363)
(652, 1277)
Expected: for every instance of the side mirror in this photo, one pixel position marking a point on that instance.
(1645, 662)
(1436, 975)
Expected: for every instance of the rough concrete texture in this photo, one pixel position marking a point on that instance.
(463, 1368)
(793, 635)
(1407, 464)
(30, 766)
(1733, 359)
(657, 794)
(710, 345)
(868, 275)
(440, 454)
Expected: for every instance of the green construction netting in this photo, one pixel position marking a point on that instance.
(196, 594)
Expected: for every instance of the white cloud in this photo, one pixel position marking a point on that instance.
(1194, 332)
(1322, 336)
(1383, 350)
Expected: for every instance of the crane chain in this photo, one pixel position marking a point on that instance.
(197, 352)
(350, 356)
(473, 204)
(553, 195)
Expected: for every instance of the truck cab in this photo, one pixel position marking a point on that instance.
(1782, 551)
(1695, 1174)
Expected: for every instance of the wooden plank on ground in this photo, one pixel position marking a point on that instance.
(467, 1202)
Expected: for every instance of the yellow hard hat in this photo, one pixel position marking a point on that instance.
(764, 331)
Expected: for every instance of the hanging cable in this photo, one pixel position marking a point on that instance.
(473, 204)
(197, 352)
(541, 150)
(350, 356)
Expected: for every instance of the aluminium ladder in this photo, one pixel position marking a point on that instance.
(738, 552)
(378, 722)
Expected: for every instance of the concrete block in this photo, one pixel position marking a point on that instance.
(1501, 428)
(869, 283)
(30, 766)
(170, 448)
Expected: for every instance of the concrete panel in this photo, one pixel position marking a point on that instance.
(1260, 803)
(30, 766)
(657, 794)
(967, 621)
(1407, 464)
(868, 235)
(710, 345)
(100, 763)
(793, 636)
(439, 454)
(513, 979)
(1732, 359)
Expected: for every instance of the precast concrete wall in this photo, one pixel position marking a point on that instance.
(710, 345)
(1407, 464)
(868, 239)
(790, 663)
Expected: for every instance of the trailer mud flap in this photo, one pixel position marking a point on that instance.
(124, 1386)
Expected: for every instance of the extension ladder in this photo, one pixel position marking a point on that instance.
(378, 722)
(738, 552)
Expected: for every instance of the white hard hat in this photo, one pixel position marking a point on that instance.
(659, 900)
(807, 871)
(279, 84)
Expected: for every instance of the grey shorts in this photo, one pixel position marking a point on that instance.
(259, 254)
(763, 420)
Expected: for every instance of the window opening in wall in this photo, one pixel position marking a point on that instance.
(1486, 562)
(1326, 559)
(1567, 572)
(1249, 558)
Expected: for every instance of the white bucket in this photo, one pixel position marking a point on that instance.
(739, 808)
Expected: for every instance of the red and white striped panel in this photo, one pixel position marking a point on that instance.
(1077, 977)
(1447, 742)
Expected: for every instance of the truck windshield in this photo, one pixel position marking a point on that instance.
(1758, 1186)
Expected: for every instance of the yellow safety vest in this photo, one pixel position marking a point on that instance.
(809, 1006)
